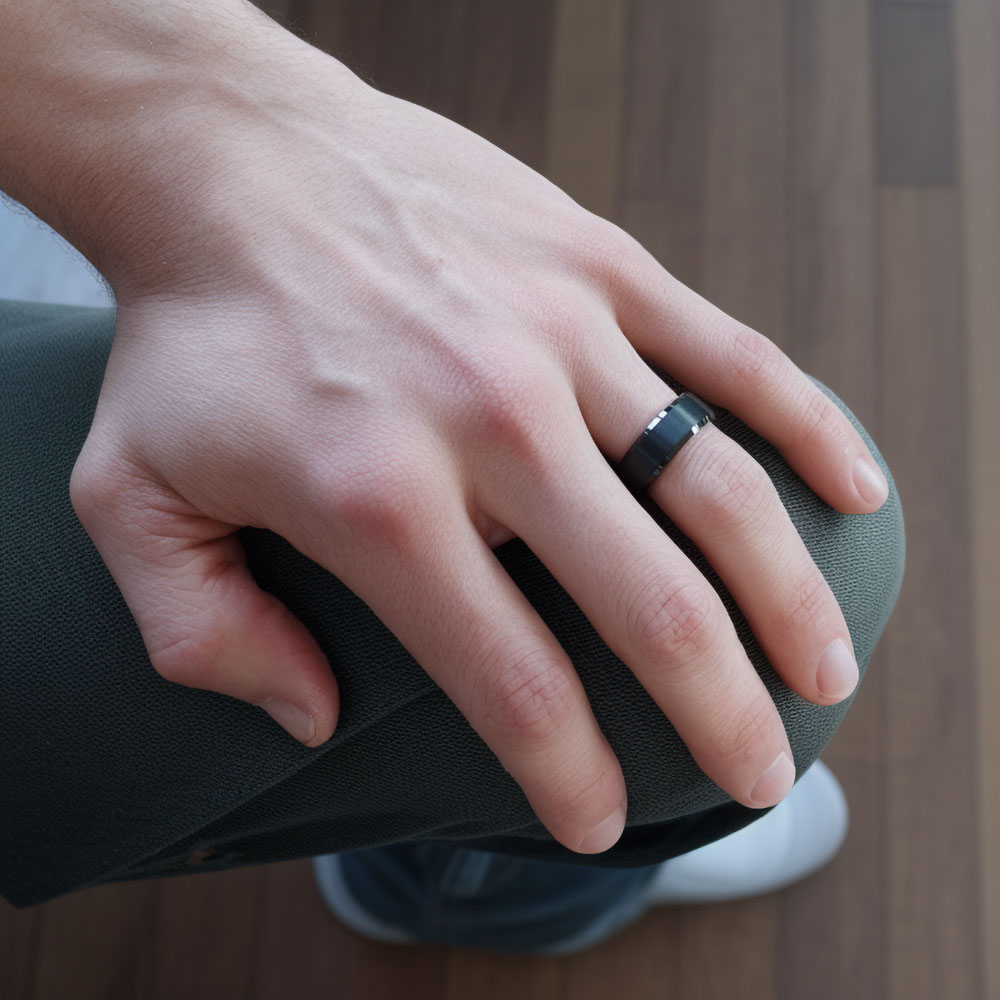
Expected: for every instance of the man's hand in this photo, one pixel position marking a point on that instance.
(349, 320)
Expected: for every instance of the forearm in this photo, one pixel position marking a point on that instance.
(111, 110)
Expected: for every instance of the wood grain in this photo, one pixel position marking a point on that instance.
(838, 947)
(664, 136)
(746, 168)
(977, 36)
(930, 738)
(585, 102)
(826, 171)
(914, 94)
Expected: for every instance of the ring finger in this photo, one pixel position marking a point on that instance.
(725, 502)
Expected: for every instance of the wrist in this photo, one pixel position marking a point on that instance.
(120, 116)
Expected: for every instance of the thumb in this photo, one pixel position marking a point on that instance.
(205, 622)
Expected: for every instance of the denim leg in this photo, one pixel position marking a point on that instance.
(441, 892)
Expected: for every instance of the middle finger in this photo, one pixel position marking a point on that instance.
(652, 607)
(725, 502)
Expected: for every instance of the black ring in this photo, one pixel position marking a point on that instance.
(661, 439)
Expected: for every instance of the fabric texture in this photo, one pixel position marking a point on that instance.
(112, 773)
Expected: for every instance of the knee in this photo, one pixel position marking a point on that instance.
(861, 557)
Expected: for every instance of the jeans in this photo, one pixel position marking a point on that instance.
(483, 899)
(111, 773)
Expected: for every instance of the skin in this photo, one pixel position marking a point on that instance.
(349, 320)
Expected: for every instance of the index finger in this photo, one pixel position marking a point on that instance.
(423, 568)
(733, 366)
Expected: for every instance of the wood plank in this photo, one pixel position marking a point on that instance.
(914, 94)
(20, 932)
(206, 929)
(977, 35)
(473, 973)
(664, 138)
(484, 65)
(303, 950)
(585, 103)
(420, 52)
(933, 944)
(96, 944)
(508, 93)
(832, 928)
(747, 168)
(729, 949)
(833, 330)
(646, 962)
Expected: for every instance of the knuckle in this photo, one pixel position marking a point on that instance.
(594, 796)
(600, 233)
(739, 744)
(530, 697)
(671, 622)
(191, 660)
(93, 487)
(612, 253)
(756, 359)
(560, 315)
(821, 418)
(809, 602)
(733, 486)
(516, 414)
(379, 515)
(382, 502)
(109, 493)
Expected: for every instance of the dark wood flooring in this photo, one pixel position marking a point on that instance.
(827, 171)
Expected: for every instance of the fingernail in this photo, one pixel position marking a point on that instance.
(291, 718)
(869, 481)
(837, 674)
(606, 833)
(776, 782)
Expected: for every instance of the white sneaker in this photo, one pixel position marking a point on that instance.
(796, 838)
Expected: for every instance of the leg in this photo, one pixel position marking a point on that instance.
(480, 899)
(456, 895)
(113, 773)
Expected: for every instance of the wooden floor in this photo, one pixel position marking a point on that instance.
(827, 171)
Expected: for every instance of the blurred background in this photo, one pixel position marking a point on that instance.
(827, 171)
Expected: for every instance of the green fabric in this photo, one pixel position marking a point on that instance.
(112, 773)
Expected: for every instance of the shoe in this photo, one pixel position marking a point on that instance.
(336, 895)
(796, 838)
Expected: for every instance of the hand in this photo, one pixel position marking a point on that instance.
(371, 331)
